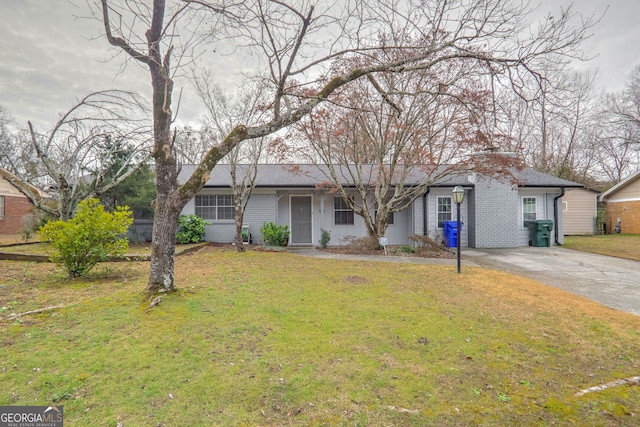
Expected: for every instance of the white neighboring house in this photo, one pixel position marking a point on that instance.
(495, 214)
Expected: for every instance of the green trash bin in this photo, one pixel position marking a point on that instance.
(540, 233)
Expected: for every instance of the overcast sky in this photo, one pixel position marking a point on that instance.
(49, 58)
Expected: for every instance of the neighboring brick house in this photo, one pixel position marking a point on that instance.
(16, 211)
(622, 203)
(495, 214)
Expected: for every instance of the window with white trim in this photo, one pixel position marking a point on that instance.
(215, 206)
(444, 210)
(342, 214)
(529, 211)
(2, 208)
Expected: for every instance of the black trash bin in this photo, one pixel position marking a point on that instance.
(540, 233)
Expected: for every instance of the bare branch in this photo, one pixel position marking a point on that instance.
(118, 41)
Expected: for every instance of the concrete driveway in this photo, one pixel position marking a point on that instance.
(611, 281)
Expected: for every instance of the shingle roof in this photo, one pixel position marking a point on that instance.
(533, 178)
(306, 175)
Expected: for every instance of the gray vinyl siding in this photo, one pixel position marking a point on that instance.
(418, 216)
(260, 209)
(341, 234)
(437, 233)
(544, 210)
(491, 212)
(399, 232)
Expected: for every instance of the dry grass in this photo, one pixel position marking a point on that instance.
(265, 338)
(135, 249)
(9, 239)
(618, 245)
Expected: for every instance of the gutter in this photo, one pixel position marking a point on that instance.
(555, 215)
(425, 232)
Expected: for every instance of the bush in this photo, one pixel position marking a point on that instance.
(427, 242)
(275, 235)
(26, 233)
(191, 229)
(88, 238)
(368, 243)
(325, 236)
(408, 249)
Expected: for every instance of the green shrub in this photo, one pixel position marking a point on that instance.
(408, 249)
(88, 238)
(191, 229)
(275, 235)
(325, 236)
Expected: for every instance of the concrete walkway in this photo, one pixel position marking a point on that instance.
(309, 251)
(613, 282)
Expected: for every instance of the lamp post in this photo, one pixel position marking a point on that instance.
(458, 197)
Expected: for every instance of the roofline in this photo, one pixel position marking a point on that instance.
(466, 184)
(8, 176)
(552, 186)
(619, 185)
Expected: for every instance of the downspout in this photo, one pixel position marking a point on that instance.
(555, 215)
(425, 232)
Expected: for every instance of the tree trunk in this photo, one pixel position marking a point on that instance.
(163, 248)
(239, 240)
(239, 218)
(168, 203)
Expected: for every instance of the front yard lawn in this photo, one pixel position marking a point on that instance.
(135, 249)
(618, 245)
(276, 339)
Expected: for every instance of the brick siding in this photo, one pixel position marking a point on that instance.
(18, 213)
(629, 214)
(495, 207)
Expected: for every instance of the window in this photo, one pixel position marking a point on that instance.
(216, 207)
(1, 207)
(528, 211)
(341, 213)
(444, 210)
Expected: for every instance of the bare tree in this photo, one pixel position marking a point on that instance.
(74, 159)
(5, 133)
(576, 114)
(625, 108)
(616, 138)
(190, 144)
(615, 158)
(294, 42)
(553, 126)
(244, 165)
(380, 153)
(223, 112)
